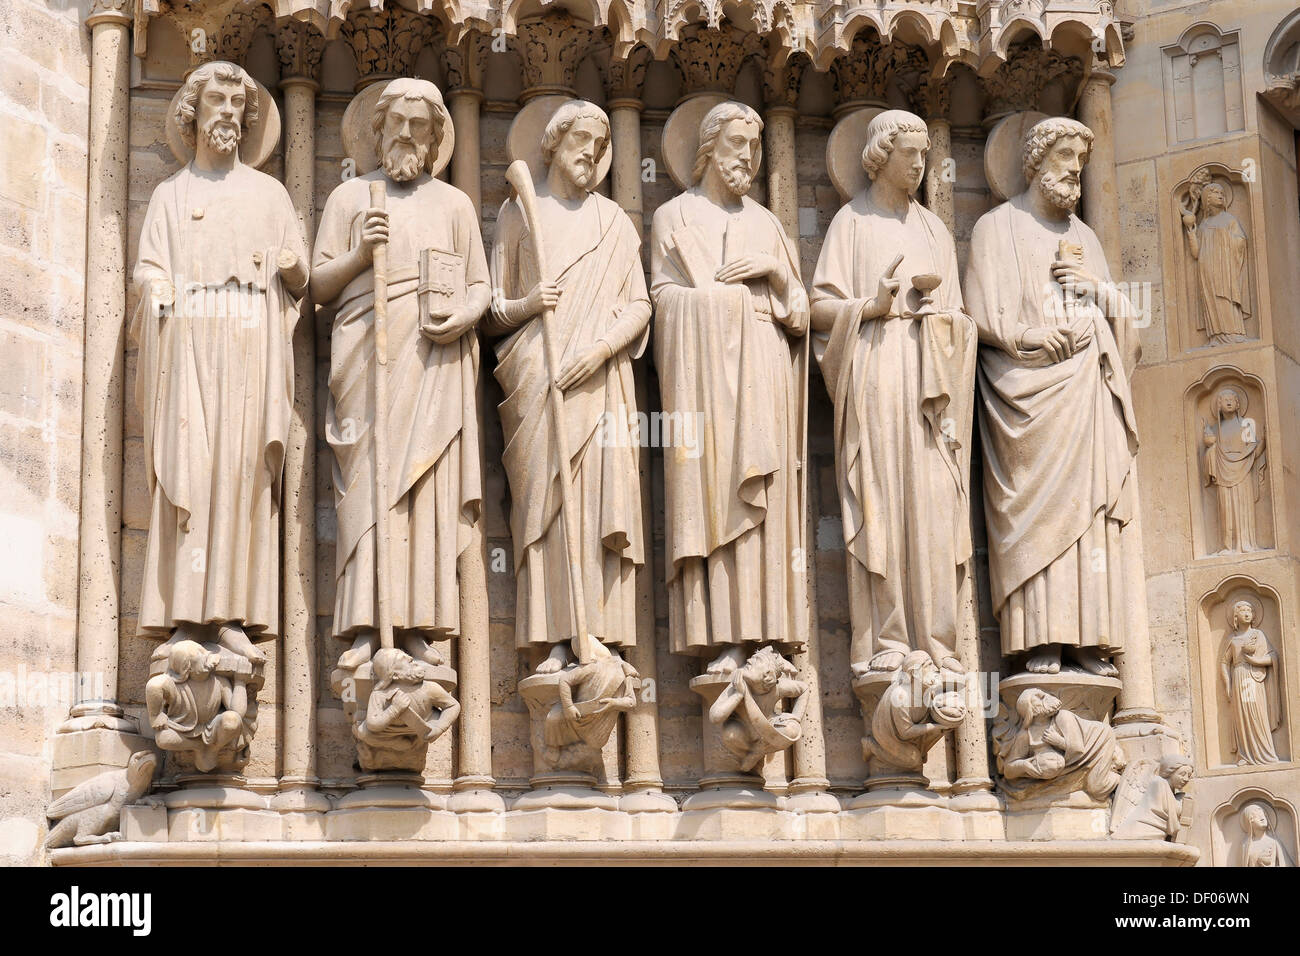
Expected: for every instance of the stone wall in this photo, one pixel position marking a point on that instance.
(44, 83)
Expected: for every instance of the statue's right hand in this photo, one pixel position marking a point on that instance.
(544, 295)
(162, 292)
(1055, 341)
(373, 231)
(1189, 222)
(887, 286)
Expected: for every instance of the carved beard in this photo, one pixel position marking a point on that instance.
(222, 136)
(581, 172)
(737, 176)
(404, 161)
(1061, 194)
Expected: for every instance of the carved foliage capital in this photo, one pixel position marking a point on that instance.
(109, 11)
(463, 62)
(300, 47)
(386, 42)
(1018, 83)
(781, 81)
(551, 47)
(710, 59)
(623, 76)
(874, 71)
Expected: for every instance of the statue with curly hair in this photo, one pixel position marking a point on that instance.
(1057, 423)
(221, 266)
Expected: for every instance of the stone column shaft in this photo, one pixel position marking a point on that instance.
(465, 163)
(938, 185)
(298, 586)
(1100, 193)
(782, 180)
(625, 174)
(104, 394)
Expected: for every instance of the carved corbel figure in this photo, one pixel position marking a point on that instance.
(752, 726)
(1148, 801)
(204, 705)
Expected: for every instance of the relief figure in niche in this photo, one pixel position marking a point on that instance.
(1218, 244)
(1248, 673)
(1262, 847)
(1234, 465)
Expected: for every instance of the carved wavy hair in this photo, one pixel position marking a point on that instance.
(563, 120)
(1043, 136)
(187, 106)
(408, 88)
(711, 129)
(882, 131)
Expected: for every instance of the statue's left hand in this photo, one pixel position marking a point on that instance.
(293, 270)
(447, 325)
(1077, 280)
(582, 367)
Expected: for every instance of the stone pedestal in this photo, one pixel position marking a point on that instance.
(391, 805)
(564, 778)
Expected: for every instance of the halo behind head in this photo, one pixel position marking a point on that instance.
(260, 130)
(361, 136)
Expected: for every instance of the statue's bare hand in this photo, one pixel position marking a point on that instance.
(162, 292)
(401, 701)
(1075, 279)
(373, 231)
(1053, 737)
(1055, 341)
(583, 366)
(447, 325)
(543, 296)
(293, 270)
(748, 267)
(573, 713)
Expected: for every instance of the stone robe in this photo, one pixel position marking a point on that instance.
(1221, 277)
(1060, 444)
(214, 383)
(434, 482)
(733, 506)
(903, 392)
(603, 297)
(1231, 467)
(1250, 664)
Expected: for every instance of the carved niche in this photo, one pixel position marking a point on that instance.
(1243, 715)
(1282, 68)
(1202, 76)
(1253, 829)
(1216, 265)
(1227, 440)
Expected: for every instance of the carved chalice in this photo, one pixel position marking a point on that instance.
(925, 284)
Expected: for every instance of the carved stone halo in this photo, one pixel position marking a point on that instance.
(844, 152)
(524, 141)
(1004, 151)
(360, 142)
(257, 142)
(681, 136)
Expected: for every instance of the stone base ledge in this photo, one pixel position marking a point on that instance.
(635, 853)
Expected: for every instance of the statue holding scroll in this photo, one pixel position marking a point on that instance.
(221, 265)
(595, 299)
(730, 310)
(1057, 425)
(898, 354)
(427, 432)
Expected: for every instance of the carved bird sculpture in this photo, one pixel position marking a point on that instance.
(91, 811)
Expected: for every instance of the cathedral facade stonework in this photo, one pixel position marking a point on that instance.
(589, 430)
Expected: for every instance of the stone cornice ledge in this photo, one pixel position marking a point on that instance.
(636, 853)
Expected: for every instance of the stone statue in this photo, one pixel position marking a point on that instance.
(91, 811)
(1218, 243)
(1045, 750)
(1148, 803)
(752, 727)
(437, 289)
(1234, 466)
(221, 264)
(203, 707)
(1262, 847)
(1057, 425)
(898, 354)
(595, 299)
(729, 303)
(407, 710)
(591, 695)
(1248, 671)
(913, 713)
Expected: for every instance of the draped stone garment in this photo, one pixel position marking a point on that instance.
(1251, 665)
(734, 521)
(904, 393)
(1221, 276)
(1059, 441)
(603, 297)
(214, 383)
(1231, 468)
(434, 482)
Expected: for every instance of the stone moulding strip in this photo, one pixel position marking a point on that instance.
(636, 853)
